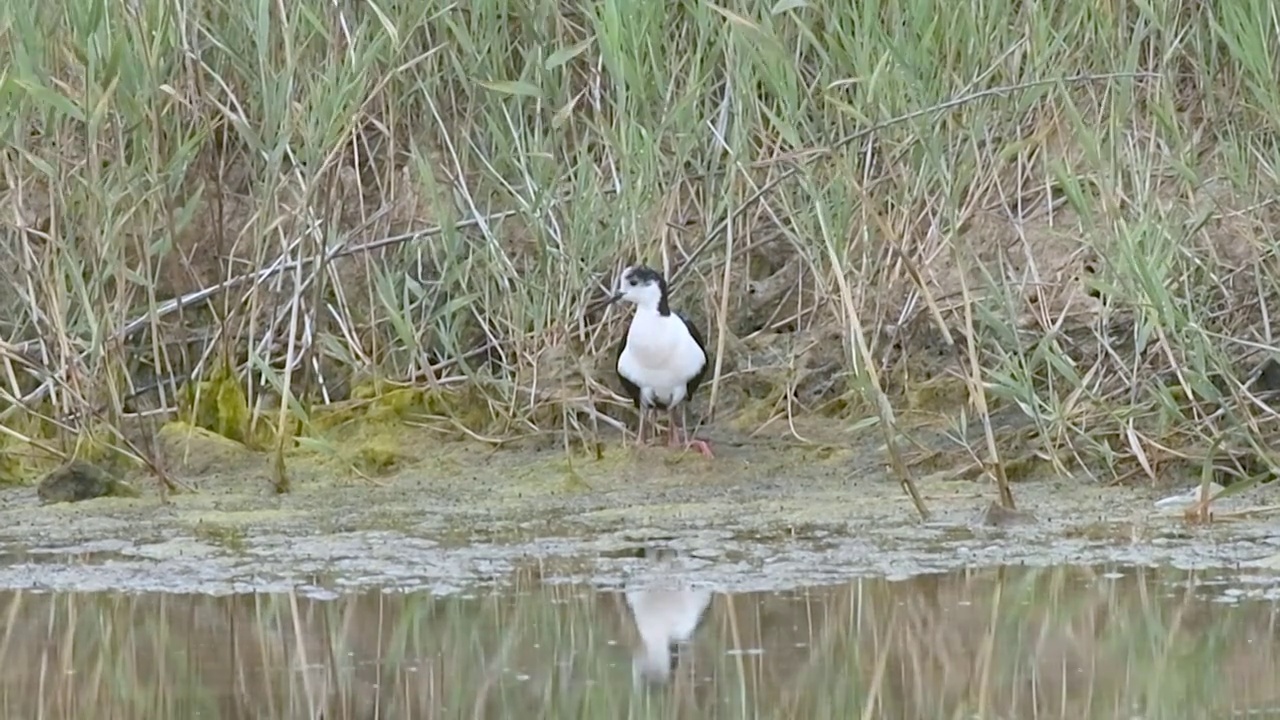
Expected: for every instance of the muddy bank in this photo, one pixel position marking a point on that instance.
(764, 513)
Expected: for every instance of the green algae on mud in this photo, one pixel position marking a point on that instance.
(837, 477)
(498, 505)
(391, 434)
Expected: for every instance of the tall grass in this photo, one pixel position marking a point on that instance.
(1056, 643)
(277, 205)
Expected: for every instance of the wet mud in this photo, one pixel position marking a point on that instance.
(765, 513)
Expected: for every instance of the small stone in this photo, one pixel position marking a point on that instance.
(75, 481)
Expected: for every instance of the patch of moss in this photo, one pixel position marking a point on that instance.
(13, 471)
(371, 447)
(366, 433)
(97, 444)
(188, 433)
(379, 403)
(377, 457)
(402, 401)
(336, 415)
(39, 422)
(197, 452)
(368, 389)
(392, 404)
(467, 406)
(22, 462)
(219, 404)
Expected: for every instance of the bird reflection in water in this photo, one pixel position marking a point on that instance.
(666, 612)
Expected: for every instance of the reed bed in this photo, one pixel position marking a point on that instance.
(241, 214)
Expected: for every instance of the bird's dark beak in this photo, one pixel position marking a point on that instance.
(614, 298)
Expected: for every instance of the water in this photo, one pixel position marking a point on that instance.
(552, 640)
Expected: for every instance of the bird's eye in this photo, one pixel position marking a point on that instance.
(631, 282)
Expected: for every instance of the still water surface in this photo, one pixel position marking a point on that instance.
(1063, 642)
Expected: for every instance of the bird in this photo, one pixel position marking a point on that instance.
(662, 359)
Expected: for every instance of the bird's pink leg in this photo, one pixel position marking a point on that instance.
(690, 442)
(702, 447)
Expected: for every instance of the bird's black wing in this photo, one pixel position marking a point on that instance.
(696, 380)
(632, 389)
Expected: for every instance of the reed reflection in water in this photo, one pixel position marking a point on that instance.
(1048, 643)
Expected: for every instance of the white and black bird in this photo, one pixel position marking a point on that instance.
(662, 359)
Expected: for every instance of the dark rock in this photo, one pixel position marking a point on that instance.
(75, 481)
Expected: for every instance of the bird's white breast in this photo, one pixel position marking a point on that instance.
(661, 356)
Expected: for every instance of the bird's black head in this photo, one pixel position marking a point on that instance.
(643, 286)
